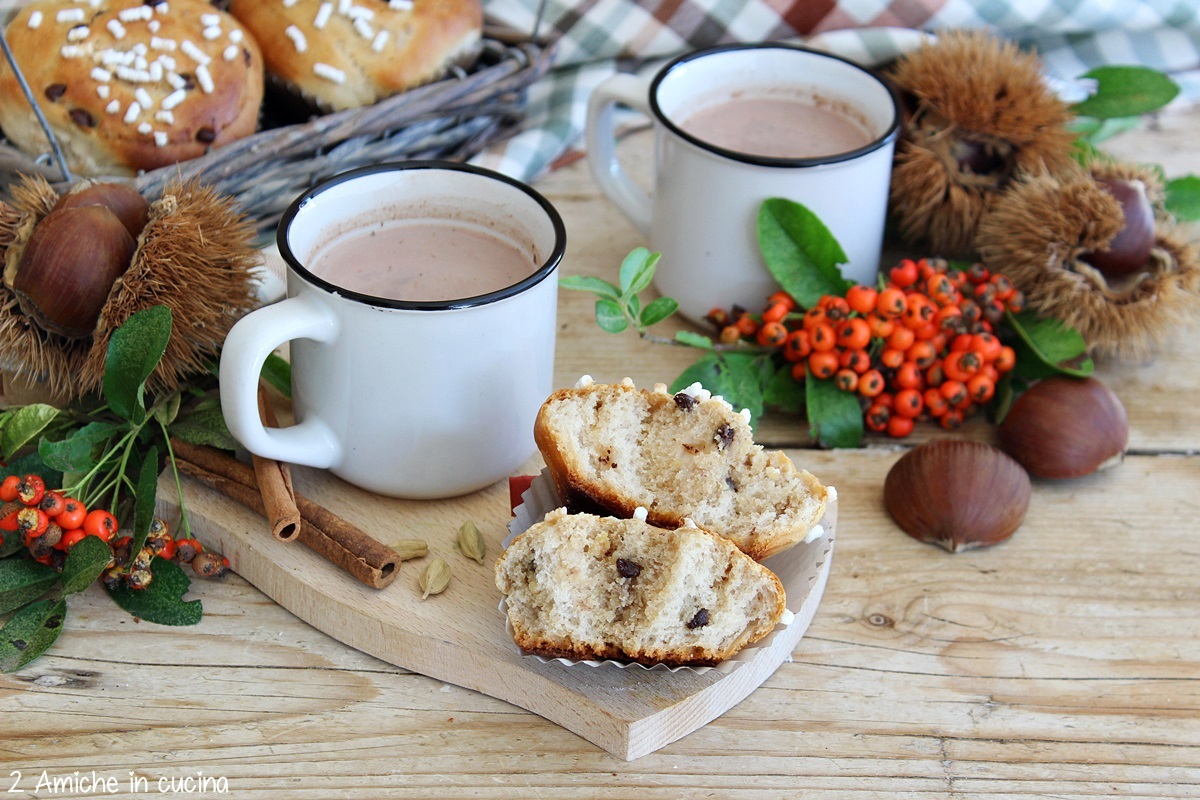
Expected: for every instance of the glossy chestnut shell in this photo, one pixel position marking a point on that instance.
(69, 265)
(1066, 428)
(958, 494)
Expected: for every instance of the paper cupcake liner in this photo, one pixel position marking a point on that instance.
(796, 572)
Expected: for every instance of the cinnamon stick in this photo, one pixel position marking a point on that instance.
(322, 531)
(275, 483)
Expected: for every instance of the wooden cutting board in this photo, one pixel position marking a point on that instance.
(459, 636)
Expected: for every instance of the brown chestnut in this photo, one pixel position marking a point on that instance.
(1066, 428)
(125, 202)
(70, 263)
(1129, 250)
(957, 493)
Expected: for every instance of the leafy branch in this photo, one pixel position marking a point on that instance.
(110, 455)
(618, 307)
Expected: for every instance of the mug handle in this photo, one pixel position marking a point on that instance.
(602, 150)
(246, 348)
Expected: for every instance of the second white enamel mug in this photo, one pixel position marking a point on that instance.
(702, 213)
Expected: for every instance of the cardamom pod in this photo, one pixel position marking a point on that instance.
(435, 578)
(407, 549)
(470, 541)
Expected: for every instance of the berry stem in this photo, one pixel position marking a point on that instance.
(82, 488)
(184, 525)
(739, 347)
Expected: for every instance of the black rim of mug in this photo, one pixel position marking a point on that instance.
(541, 273)
(767, 161)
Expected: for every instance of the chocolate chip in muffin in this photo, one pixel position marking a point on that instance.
(55, 91)
(685, 401)
(724, 436)
(629, 569)
(82, 118)
(698, 621)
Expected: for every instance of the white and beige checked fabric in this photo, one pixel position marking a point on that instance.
(599, 37)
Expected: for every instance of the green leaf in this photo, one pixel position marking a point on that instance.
(692, 339)
(30, 632)
(205, 425)
(800, 252)
(85, 562)
(1029, 366)
(587, 283)
(24, 425)
(167, 411)
(79, 451)
(734, 376)
(10, 542)
(32, 464)
(1051, 343)
(144, 497)
(1084, 126)
(637, 270)
(706, 371)
(162, 601)
(1093, 131)
(1002, 402)
(784, 392)
(658, 310)
(633, 307)
(1126, 91)
(610, 317)
(22, 580)
(133, 352)
(645, 275)
(740, 380)
(834, 417)
(1183, 198)
(278, 372)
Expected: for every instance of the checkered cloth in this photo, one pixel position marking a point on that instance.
(600, 37)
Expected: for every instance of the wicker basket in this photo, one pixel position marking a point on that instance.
(451, 119)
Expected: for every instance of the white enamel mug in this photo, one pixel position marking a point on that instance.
(702, 214)
(409, 399)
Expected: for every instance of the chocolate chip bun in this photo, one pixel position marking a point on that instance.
(581, 586)
(127, 85)
(341, 54)
(612, 448)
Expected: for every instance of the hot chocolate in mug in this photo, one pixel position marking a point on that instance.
(421, 314)
(737, 125)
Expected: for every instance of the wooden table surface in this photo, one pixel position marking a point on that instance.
(1065, 662)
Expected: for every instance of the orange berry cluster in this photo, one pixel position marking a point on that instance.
(51, 523)
(924, 344)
